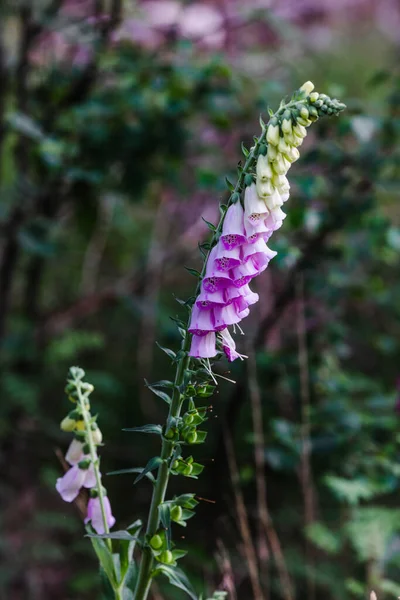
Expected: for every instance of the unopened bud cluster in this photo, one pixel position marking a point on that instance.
(82, 454)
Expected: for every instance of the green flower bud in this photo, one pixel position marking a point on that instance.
(156, 542)
(248, 180)
(175, 465)
(188, 419)
(314, 96)
(187, 470)
(77, 373)
(191, 437)
(166, 557)
(87, 388)
(171, 433)
(176, 513)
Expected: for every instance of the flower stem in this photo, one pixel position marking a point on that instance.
(93, 456)
(160, 488)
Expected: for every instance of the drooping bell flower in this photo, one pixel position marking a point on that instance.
(76, 478)
(214, 279)
(255, 209)
(208, 300)
(201, 321)
(75, 452)
(227, 259)
(226, 315)
(275, 219)
(229, 346)
(233, 233)
(95, 516)
(244, 273)
(257, 232)
(250, 296)
(203, 346)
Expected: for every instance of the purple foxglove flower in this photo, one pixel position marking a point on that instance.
(243, 274)
(232, 292)
(275, 219)
(214, 279)
(260, 231)
(227, 259)
(94, 514)
(203, 346)
(75, 453)
(207, 300)
(69, 486)
(250, 296)
(259, 253)
(233, 233)
(226, 315)
(201, 321)
(229, 346)
(255, 209)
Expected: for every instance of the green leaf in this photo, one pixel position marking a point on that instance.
(229, 184)
(164, 511)
(178, 579)
(153, 464)
(104, 556)
(163, 395)
(193, 272)
(167, 351)
(127, 547)
(132, 470)
(146, 429)
(209, 225)
(114, 535)
(323, 538)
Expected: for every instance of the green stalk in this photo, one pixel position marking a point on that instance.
(93, 457)
(160, 488)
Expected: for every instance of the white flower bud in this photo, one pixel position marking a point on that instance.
(273, 134)
(272, 153)
(265, 189)
(304, 122)
(97, 436)
(283, 145)
(286, 125)
(314, 96)
(307, 87)
(300, 131)
(263, 169)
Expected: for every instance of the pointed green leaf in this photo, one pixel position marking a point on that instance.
(164, 511)
(163, 395)
(178, 579)
(153, 464)
(133, 470)
(209, 225)
(193, 272)
(104, 556)
(167, 351)
(157, 429)
(127, 547)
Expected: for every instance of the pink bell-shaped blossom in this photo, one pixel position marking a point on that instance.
(260, 231)
(226, 315)
(233, 233)
(214, 279)
(201, 321)
(227, 259)
(95, 516)
(203, 346)
(208, 300)
(75, 452)
(250, 296)
(244, 273)
(70, 484)
(259, 253)
(275, 219)
(229, 346)
(255, 209)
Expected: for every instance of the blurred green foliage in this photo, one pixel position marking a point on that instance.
(106, 169)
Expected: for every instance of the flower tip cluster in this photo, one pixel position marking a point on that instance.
(82, 454)
(241, 252)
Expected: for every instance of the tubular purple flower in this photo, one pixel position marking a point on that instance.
(214, 279)
(75, 452)
(226, 315)
(95, 515)
(233, 233)
(229, 346)
(245, 273)
(255, 209)
(257, 232)
(258, 248)
(70, 484)
(275, 219)
(208, 300)
(203, 346)
(201, 321)
(250, 296)
(227, 259)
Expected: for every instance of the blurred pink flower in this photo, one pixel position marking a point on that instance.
(94, 514)
(69, 486)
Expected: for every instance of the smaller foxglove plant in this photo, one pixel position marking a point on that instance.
(235, 255)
